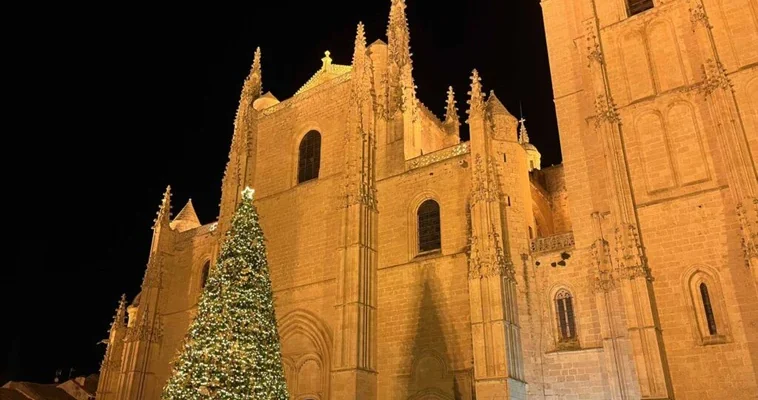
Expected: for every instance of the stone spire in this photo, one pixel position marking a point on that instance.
(253, 86)
(164, 211)
(398, 36)
(476, 100)
(451, 112)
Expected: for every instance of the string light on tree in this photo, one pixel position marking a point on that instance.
(232, 348)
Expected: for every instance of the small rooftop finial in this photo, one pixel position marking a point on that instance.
(451, 112)
(247, 193)
(523, 135)
(326, 60)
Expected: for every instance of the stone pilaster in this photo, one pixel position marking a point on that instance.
(631, 269)
(354, 363)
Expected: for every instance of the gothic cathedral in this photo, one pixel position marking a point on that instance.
(410, 265)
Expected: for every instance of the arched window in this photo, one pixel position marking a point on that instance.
(708, 308)
(429, 235)
(309, 158)
(564, 312)
(204, 274)
(706, 301)
(637, 6)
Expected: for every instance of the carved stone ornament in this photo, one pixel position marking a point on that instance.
(594, 53)
(604, 281)
(600, 253)
(749, 230)
(480, 190)
(437, 156)
(714, 78)
(110, 364)
(153, 272)
(553, 243)
(698, 15)
(630, 259)
(605, 111)
(145, 333)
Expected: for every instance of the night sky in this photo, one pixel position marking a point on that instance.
(127, 101)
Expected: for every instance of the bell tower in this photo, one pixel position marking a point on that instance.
(653, 101)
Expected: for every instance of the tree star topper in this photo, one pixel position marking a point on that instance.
(248, 193)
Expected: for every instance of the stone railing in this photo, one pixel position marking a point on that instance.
(553, 243)
(437, 156)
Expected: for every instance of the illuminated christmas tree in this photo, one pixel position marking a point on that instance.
(232, 348)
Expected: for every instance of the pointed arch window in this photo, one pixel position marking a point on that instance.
(564, 313)
(429, 233)
(635, 7)
(309, 157)
(204, 274)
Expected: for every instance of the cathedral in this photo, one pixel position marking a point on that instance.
(408, 264)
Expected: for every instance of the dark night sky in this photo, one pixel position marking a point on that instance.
(125, 101)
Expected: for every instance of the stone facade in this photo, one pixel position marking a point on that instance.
(656, 105)
(579, 281)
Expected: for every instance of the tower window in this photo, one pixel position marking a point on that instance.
(309, 158)
(635, 7)
(204, 274)
(710, 319)
(429, 235)
(564, 310)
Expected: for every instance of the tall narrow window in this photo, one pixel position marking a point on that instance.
(204, 274)
(710, 319)
(564, 309)
(637, 6)
(309, 159)
(429, 235)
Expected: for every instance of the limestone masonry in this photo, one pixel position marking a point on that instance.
(410, 265)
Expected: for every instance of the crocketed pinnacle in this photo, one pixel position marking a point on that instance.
(118, 319)
(360, 73)
(476, 99)
(359, 49)
(253, 86)
(451, 112)
(398, 36)
(164, 211)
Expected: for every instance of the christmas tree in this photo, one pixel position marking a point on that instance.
(232, 348)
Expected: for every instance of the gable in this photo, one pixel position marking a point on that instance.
(327, 72)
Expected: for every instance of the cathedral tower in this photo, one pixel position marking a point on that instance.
(656, 103)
